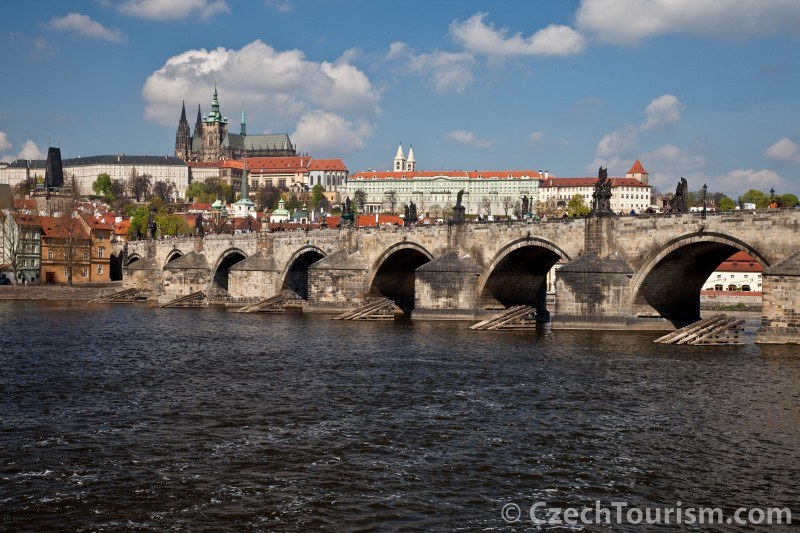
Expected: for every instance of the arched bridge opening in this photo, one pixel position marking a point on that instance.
(219, 282)
(173, 255)
(669, 285)
(518, 275)
(296, 277)
(394, 277)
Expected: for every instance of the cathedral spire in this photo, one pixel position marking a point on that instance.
(183, 111)
(198, 125)
(243, 131)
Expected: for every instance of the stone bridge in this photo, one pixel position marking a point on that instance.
(641, 272)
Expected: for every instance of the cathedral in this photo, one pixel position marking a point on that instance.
(211, 141)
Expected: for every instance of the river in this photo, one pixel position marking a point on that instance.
(128, 417)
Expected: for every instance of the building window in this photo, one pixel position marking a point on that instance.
(66, 273)
(86, 255)
(85, 272)
(100, 252)
(49, 254)
(100, 236)
(99, 269)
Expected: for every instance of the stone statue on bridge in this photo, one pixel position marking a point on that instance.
(198, 225)
(678, 202)
(458, 209)
(601, 197)
(151, 222)
(412, 211)
(525, 206)
(347, 213)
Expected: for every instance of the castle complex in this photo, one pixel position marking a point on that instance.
(212, 142)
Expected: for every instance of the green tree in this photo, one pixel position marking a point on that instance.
(173, 225)
(139, 215)
(789, 199)
(293, 202)
(757, 197)
(268, 196)
(576, 206)
(196, 190)
(102, 185)
(218, 189)
(726, 204)
(360, 199)
(163, 190)
(317, 194)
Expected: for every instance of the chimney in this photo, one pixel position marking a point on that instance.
(546, 174)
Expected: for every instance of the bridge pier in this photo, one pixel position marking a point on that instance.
(445, 289)
(780, 309)
(337, 283)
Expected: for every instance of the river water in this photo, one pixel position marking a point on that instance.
(127, 417)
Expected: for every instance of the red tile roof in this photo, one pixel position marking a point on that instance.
(740, 262)
(637, 168)
(327, 164)
(96, 224)
(25, 203)
(200, 206)
(122, 227)
(285, 164)
(53, 227)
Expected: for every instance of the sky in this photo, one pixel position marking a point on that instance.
(704, 90)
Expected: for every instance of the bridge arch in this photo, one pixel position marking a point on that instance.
(392, 275)
(219, 274)
(173, 255)
(517, 273)
(132, 258)
(670, 280)
(294, 276)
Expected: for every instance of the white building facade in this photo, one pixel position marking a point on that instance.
(119, 167)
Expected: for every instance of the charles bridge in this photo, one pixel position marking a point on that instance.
(638, 272)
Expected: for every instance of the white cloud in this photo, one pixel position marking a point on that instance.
(174, 9)
(469, 138)
(446, 71)
(281, 90)
(670, 162)
(396, 49)
(30, 151)
(327, 134)
(784, 150)
(621, 141)
(662, 112)
(4, 142)
(480, 38)
(630, 21)
(743, 180)
(535, 137)
(281, 6)
(83, 25)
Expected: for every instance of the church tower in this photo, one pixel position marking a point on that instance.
(215, 127)
(411, 163)
(638, 172)
(399, 160)
(243, 130)
(183, 139)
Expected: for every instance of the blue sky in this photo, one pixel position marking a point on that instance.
(705, 90)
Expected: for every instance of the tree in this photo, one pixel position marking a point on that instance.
(757, 197)
(163, 190)
(293, 202)
(217, 188)
(139, 215)
(360, 198)
(268, 196)
(139, 186)
(486, 205)
(117, 189)
(391, 200)
(196, 190)
(102, 185)
(548, 209)
(507, 203)
(788, 199)
(10, 240)
(171, 225)
(24, 187)
(726, 204)
(576, 206)
(71, 242)
(317, 194)
(518, 214)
